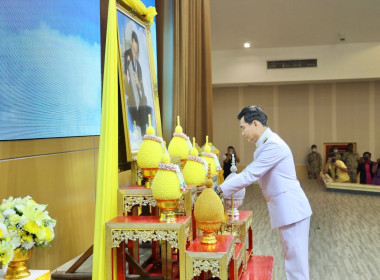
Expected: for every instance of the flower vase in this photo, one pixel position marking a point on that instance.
(17, 268)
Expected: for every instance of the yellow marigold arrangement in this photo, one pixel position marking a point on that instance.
(150, 152)
(214, 149)
(211, 159)
(180, 144)
(168, 183)
(196, 168)
(209, 207)
(24, 224)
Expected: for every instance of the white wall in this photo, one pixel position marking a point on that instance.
(302, 114)
(335, 62)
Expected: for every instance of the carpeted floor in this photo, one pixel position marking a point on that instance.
(344, 233)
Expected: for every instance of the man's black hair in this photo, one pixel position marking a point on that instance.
(313, 146)
(332, 155)
(367, 153)
(230, 147)
(134, 37)
(253, 113)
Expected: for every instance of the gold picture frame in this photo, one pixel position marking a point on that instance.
(137, 78)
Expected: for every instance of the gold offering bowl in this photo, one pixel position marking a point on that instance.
(17, 268)
(167, 207)
(149, 174)
(209, 229)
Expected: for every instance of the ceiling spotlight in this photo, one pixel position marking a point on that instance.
(247, 45)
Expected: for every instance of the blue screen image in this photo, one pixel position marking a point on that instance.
(50, 73)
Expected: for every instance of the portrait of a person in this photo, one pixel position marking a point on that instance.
(137, 104)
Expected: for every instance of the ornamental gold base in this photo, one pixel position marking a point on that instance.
(209, 229)
(167, 207)
(17, 268)
(148, 174)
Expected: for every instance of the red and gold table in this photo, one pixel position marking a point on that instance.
(187, 201)
(171, 236)
(240, 259)
(241, 227)
(218, 259)
(131, 196)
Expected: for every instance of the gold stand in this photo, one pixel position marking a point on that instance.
(17, 268)
(209, 229)
(167, 207)
(149, 173)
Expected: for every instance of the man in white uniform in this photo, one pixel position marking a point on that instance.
(273, 168)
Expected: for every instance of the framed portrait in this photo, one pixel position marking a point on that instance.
(137, 78)
(342, 148)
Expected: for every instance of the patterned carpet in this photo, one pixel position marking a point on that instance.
(344, 233)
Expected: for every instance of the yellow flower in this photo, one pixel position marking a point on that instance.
(12, 227)
(31, 227)
(33, 211)
(14, 219)
(49, 234)
(3, 230)
(41, 234)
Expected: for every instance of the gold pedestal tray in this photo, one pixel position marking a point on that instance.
(148, 174)
(167, 207)
(209, 229)
(17, 268)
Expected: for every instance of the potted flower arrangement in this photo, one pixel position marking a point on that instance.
(24, 224)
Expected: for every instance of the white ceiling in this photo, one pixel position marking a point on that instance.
(290, 23)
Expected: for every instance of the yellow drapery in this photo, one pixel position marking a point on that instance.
(107, 173)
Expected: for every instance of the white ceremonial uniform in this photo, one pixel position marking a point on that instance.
(289, 209)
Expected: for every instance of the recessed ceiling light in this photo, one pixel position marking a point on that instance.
(247, 45)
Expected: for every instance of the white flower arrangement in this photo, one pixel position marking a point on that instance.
(24, 224)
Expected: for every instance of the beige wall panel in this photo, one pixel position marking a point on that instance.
(322, 116)
(293, 117)
(261, 96)
(376, 152)
(66, 182)
(24, 148)
(226, 125)
(352, 117)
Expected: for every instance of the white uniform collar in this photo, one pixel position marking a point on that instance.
(264, 137)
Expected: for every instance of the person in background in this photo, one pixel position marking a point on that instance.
(335, 150)
(273, 168)
(336, 169)
(376, 173)
(365, 169)
(351, 159)
(314, 163)
(227, 161)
